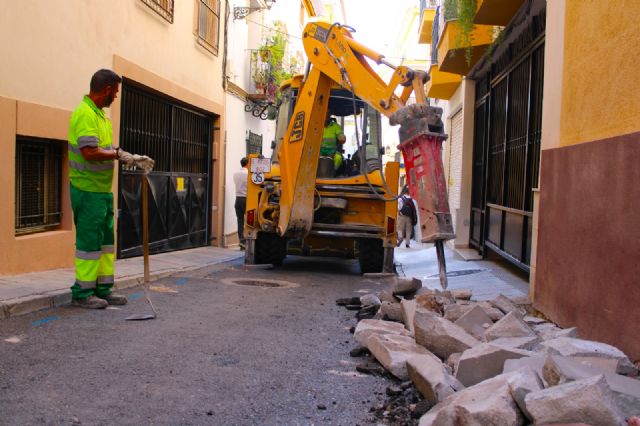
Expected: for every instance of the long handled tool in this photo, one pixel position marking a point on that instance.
(145, 251)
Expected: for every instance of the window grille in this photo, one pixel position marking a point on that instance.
(38, 183)
(254, 143)
(163, 8)
(208, 24)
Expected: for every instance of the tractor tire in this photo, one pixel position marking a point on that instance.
(371, 255)
(270, 249)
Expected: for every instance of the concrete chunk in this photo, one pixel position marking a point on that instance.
(558, 370)
(473, 321)
(462, 294)
(391, 311)
(485, 361)
(523, 384)
(590, 401)
(455, 311)
(408, 310)
(368, 327)
(440, 336)
(431, 378)
(505, 304)
(392, 351)
(526, 343)
(510, 326)
(568, 346)
(487, 403)
(406, 286)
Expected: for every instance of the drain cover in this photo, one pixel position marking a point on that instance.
(262, 283)
(460, 273)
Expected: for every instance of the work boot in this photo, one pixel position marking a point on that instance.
(115, 299)
(91, 302)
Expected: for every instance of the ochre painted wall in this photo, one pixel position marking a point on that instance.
(601, 84)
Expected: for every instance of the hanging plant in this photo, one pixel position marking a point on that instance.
(464, 13)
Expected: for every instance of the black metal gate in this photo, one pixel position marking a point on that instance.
(179, 140)
(506, 157)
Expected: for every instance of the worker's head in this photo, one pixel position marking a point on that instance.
(104, 87)
(244, 161)
(327, 118)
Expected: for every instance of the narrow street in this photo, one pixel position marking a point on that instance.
(218, 353)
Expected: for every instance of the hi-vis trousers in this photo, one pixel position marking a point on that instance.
(93, 217)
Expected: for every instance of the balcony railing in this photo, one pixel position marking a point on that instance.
(435, 37)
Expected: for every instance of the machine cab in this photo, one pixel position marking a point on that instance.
(361, 151)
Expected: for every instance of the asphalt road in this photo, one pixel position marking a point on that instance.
(218, 354)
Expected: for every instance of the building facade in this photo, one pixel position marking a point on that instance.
(171, 107)
(541, 162)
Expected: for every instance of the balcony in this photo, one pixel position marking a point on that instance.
(427, 17)
(453, 57)
(496, 12)
(442, 85)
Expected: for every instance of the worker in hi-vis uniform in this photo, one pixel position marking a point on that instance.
(91, 161)
(332, 140)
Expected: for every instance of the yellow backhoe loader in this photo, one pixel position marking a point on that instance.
(295, 203)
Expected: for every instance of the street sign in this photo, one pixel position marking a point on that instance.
(260, 165)
(257, 178)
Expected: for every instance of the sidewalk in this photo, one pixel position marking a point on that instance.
(486, 279)
(22, 294)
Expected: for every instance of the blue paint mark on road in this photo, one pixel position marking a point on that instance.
(182, 281)
(43, 321)
(134, 296)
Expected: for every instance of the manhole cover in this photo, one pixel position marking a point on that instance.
(261, 283)
(460, 273)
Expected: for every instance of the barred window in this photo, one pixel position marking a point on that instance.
(38, 183)
(254, 143)
(163, 8)
(208, 24)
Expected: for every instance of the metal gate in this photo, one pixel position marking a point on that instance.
(179, 140)
(506, 153)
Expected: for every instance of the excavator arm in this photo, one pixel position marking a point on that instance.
(334, 56)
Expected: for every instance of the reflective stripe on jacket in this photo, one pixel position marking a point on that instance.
(89, 126)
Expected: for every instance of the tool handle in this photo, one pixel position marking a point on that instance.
(145, 226)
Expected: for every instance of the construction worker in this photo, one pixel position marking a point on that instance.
(332, 140)
(91, 161)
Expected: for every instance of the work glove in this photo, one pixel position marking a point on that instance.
(143, 162)
(125, 157)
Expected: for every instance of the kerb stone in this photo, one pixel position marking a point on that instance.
(473, 321)
(369, 327)
(485, 361)
(440, 336)
(510, 326)
(431, 378)
(392, 351)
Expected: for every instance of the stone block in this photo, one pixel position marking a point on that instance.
(431, 378)
(392, 351)
(406, 286)
(391, 311)
(494, 313)
(531, 320)
(473, 321)
(369, 327)
(523, 384)
(555, 332)
(386, 296)
(526, 343)
(431, 302)
(454, 312)
(607, 364)
(408, 310)
(510, 326)
(452, 362)
(440, 336)
(487, 403)
(462, 294)
(559, 370)
(589, 401)
(485, 361)
(505, 304)
(370, 300)
(568, 346)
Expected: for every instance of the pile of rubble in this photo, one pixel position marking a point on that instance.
(493, 363)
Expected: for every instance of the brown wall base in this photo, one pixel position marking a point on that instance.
(588, 261)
